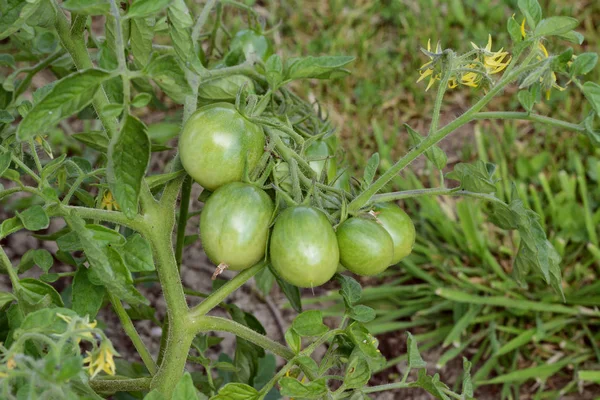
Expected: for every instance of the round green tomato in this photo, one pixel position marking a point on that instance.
(303, 248)
(217, 144)
(399, 226)
(234, 225)
(319, 152)
(365, 246)
(225, 88)
(245, 43)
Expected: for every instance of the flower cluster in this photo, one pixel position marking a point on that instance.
(473, 72)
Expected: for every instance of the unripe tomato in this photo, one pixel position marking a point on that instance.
(247, 42)
(303, 248)
(234, 225)
(217, 143)
(399, 226)
(365, 246)
(225, 88)
(319, 151)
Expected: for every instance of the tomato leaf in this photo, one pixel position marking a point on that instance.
(412, 352)
(167, 74)
(34, 295)
(371, 169)
(236, 391)
(14, 16)
(128, 158)
(86, 298)
(312, 390)
(362, 313)
(431, 384)
(476, 177)
(555, 26)
(6, 298)
(89, 7)
(97, 140)
(185, 389)
(434, 154)
(293, 340)
(532, 11)
(325, 67)
(137, 254)
(145, 8)
(69, 96)
(591, 90)
(291, 292)
(310, 323)
(358, 371)
(350, 290)
(34, 218)
(583, 64)
(141, 35)
(180, 23)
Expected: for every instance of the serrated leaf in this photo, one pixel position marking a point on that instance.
(5, 159)
(467, 384)
(6, 117)
(358, 372)
(573, 37)
(476, 177)
(128, 158)
(15, 14)
(311, 390)
(293, 340)
(317, 67)
(310, 323)
(146, 8)
(96, 140)
(430, 384)
(350, 290)
(362, 313)
(412, 351)
(69, 96)
(555, 26)
(6, 298)
(185, 389)
(137, 254)
(141, 100)
(274, 71)
(526, 99)
(236, 391)
(434, 154)
(532, 11)
(180, 22)
(167, 74)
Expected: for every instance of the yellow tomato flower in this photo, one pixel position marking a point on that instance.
(523, 34)
(101, 359)
(493, 61)
(427, 69)
(82, 324)
(108, 201)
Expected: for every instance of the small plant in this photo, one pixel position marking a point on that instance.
(280, 202)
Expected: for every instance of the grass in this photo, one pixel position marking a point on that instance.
(456, 291)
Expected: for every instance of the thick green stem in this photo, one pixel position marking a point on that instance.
(207, 324)
(217, 297)
(107, 385)
(529, 117)
(120, 49)
(132, 333)
(184, 206)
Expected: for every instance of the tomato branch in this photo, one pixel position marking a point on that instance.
(525, 116)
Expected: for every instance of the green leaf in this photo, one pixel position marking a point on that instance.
(40, 257)
(308, 363)
(476, 177)
(368, 345)
(324, 67)
(526, 99)
(274, 71)
(185, 389)
(573, 37)
(34, 218)
(128, 158)
(555, 26)
(141, 35)
(106, 265)
(291, 292)
(5, 159)
(589, 376)
(6, 117)
(96, 140)
(467, 384)
(146, 8)
(293, 340)
(358, 372)
(430, 384)
(350, 290)
(362, 313)
(86, 298)
(137, 254)
(247, 355)
(113, 110)
(34, 295)
(89, 7)
(15, 14)
(310, 323)
(532, 11)
(9, 226)
(583, 64)
(312, 390)
(371, 169)
(415, 360)
(169, 76)
(141, 100)
(590, 132)
(180, 24)
(236, 391)
(102, 235)
(45, 321)
(591, 90)
(7, 60)
(68, 96)
(6, 298)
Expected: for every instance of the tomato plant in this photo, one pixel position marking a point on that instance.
(281, 202)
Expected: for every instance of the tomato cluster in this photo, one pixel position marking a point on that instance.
(277, 194)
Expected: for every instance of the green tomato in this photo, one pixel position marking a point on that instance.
(399, 226)
(365, 246)
(318, 152)
(245, 43)
(234, 225)
(217, 144)
(225, 88)
(303, 248)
